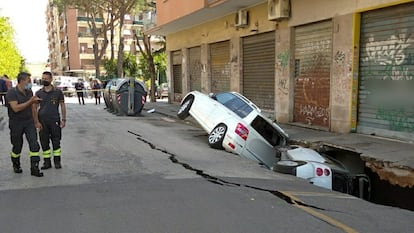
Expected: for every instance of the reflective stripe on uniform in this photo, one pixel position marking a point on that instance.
(57, 152)
(31, 154)
(13, 155)
(46, 154)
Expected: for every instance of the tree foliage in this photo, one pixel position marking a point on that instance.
(103, 11)
(11, 62)
(116, 11)
(130, 67)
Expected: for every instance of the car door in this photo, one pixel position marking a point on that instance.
(201, 110)
(262, 141)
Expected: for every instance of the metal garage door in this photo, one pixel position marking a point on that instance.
(313, 51)
(259, 70)
(177, 74)
(195, 68)
(386, 85)
(220, 66)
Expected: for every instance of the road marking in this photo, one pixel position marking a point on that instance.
(317, 194)
(323, 217)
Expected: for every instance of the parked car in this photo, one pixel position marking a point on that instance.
(236, 124)
(68, 88)
(162, 91)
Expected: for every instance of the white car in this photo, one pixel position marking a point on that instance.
(236, 124)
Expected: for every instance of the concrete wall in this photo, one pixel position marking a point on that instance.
(220, 30)
(169, 10)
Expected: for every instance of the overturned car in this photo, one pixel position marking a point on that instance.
(237, 125)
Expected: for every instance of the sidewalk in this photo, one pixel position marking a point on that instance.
(392, 160)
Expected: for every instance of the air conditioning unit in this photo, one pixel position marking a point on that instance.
(278, 9)
(242, 18)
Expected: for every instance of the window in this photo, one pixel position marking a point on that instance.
(267, 131)
(235, 104)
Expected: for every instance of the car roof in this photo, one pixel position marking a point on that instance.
(259, 112)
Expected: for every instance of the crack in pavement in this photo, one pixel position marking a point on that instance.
(285, 196)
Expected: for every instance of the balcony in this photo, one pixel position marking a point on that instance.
(83, 18)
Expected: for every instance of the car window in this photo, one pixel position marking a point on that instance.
(267, 131)
(235, 104)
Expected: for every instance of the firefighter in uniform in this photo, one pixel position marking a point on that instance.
(21, 106)
(49, 121)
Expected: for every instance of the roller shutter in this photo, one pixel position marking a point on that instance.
(195, 68)
(386, 85)
(313, 51)
(259, 70)
(220, 66)
(177, 72)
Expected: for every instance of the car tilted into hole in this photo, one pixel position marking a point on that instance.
(237, 125)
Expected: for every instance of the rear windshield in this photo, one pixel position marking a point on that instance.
(234, 103)
(267, 131)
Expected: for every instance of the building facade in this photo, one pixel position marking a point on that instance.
(71, 41)
(340, 66)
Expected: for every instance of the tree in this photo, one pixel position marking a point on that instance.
(129, 67)
(95, 10)
(124, 7)
(11, 62)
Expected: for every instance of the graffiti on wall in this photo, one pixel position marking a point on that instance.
(282, 64)
(283, 59)
(343, 74)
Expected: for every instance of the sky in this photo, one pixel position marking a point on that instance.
(28, 20)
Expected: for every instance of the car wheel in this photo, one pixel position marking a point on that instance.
(216, 136)
(287, 166)
(184, 110)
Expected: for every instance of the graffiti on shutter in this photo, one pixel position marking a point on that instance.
(386, 82)
(313, 49)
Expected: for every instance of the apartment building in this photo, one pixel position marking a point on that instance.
(340, 66)
(71, 41)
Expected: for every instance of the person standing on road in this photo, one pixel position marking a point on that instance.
(49, 121)
(79, 91)
(3, 90)
(96, 91)
(21, 110)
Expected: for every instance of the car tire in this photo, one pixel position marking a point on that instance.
(287, 166)
(184, 110)
(216, 136)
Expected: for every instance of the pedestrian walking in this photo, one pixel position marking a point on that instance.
(50, 121)
(96, 91)
(3, 90)
(79, 86)
(21, 111)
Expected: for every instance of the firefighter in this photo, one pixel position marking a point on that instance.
(49, 121)
(21, 106)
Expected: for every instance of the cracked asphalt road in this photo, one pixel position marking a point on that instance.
(164, 178)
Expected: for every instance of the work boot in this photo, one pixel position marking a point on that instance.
(46, 164)
(34, 167)
(16, 165)
(56, 160)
